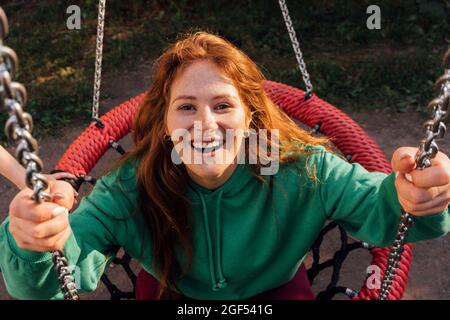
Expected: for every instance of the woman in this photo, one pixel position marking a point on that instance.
(203, 223)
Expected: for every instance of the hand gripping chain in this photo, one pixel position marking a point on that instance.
(18, 129)
(434, 129)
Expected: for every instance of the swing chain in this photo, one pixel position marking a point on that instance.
(18, 130)
(434, 129)
(296, 47)
(395, 254)
(98, 59)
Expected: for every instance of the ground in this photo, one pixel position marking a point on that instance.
(429, 272)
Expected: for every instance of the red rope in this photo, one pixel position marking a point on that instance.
(346, 134)
(83, 154)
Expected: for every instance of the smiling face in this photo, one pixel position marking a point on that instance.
(206, 106)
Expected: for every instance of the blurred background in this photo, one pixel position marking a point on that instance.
(350, 66)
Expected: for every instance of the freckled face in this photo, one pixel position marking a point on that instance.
(206, 105)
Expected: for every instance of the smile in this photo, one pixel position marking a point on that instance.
(207, 147)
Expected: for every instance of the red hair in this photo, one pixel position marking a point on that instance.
(160, 199)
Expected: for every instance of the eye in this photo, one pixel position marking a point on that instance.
(186, 107)
(222, 106)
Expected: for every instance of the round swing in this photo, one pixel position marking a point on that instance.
(349, 138)
(106, 131)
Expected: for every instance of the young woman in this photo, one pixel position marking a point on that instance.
(204, 223)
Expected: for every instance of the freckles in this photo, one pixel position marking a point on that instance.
(236, 120)
(175, 121)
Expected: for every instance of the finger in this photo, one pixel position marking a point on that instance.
(42, 230)
(403, 159)
(61, 241)
(412, 193)
(49, 177)
(25, 208)
(63, 175)
(47, 244)
(25, 245)
(63, 193)
(435, 205)
(430, 212)
(436, 175)
(14, 231)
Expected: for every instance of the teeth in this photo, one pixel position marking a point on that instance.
(205, 145)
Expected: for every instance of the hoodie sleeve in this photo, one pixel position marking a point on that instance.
(99, 226)
(366, 204)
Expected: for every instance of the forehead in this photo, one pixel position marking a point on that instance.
(202, 78)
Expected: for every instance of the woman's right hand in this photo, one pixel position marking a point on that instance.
(45, 226)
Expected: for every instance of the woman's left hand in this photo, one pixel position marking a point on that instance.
(421, 192)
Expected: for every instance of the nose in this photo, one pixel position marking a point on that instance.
(207, 119)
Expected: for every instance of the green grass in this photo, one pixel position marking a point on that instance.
(350, 66)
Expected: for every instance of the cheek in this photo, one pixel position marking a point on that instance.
(236, 120)
(174, 121)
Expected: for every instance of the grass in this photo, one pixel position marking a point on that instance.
(350, 66)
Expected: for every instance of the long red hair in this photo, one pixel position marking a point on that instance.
(161, 198)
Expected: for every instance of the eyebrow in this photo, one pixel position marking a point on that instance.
(184, 97)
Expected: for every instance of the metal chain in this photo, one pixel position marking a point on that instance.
(434, 129)
(98, 59)
(296, 47)
(18, 129)
(395, 254)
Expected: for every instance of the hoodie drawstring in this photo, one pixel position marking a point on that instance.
(222, 283)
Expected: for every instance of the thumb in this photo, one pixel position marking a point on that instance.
(63, 193)
(403, 160)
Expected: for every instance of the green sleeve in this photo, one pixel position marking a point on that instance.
(99, 227)
(366, 204)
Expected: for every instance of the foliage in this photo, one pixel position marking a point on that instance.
(349, 65)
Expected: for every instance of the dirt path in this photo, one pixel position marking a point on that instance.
(430, 270)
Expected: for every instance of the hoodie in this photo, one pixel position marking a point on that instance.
(249, 235)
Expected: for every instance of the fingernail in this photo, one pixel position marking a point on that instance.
(405, 156)
(58, 210)
(408, 177)
(58, 195)
(396, 175)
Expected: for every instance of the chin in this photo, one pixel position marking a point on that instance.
(209, 171)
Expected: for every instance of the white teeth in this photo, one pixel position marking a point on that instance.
(204, 145)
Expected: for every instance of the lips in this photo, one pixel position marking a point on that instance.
(207, 146)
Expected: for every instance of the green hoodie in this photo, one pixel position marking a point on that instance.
(248, 236)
